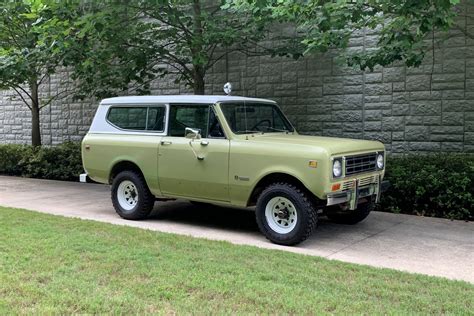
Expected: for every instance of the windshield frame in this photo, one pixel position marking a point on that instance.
(286, 121)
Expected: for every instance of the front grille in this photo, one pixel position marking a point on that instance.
(361, 163)
(348, 185)
(367, 181)
(362, 182)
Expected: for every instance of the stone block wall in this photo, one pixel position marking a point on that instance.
(424, 109)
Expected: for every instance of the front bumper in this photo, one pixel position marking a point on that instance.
(352, 196)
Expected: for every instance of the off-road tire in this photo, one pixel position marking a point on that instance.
(145, 202)
(352, 217)
(307, 216)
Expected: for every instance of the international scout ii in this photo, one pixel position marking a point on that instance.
(232, 151)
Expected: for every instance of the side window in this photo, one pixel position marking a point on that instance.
(156, 118)
(215, 129)
(188, 115)
(138, 118)
(133, 118)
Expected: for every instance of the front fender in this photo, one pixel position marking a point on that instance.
(248, 166)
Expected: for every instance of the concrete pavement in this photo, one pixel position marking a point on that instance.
(423, 245)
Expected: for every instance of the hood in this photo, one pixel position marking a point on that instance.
(332, 145)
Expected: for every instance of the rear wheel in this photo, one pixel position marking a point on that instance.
(285, 214)
(131, 197)
(352, 217)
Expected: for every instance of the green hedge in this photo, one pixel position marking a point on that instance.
(61, 162)
(439, 185)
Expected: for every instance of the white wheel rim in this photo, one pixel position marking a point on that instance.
(281, 215)
(127, 195)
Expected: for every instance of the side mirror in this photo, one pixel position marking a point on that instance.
(192, 133)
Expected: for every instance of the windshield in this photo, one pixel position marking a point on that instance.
(254, 117)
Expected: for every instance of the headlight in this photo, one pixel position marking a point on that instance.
(337, 168)
(380, 161)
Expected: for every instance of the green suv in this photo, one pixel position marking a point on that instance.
(231, 151)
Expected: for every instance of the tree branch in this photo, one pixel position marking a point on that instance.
(178, 61)
(22, 89)
(56, 96)
(21, 96)
(215, 60)
(42, 78)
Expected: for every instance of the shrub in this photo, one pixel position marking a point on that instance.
(61, 162)
(439, 185)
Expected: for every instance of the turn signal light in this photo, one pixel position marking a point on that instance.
(336, 187)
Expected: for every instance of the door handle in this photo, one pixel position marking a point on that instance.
(165, 142)
(204, 143)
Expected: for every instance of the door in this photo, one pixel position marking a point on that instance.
(194, 167)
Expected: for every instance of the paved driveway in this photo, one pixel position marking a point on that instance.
(424, 245)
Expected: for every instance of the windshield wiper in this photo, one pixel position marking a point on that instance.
(248, 132)
(277, 129)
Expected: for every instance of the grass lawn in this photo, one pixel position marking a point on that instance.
(50, 264)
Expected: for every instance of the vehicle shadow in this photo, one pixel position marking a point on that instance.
(212, 216)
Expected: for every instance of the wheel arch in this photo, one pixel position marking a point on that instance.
(122, 166)
(276, 177)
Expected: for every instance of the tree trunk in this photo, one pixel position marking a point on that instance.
(198, 82)
(35, 118)
(197, 49)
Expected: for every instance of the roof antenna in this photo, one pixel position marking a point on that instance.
(242, 82)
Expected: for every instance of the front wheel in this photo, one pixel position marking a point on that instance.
(130, 196)
(285, 214)
(352, 217)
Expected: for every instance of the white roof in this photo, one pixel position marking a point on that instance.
(178, 99)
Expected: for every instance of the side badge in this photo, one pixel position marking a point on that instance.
(236, 177)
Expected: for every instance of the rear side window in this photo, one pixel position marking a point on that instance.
(138, 118)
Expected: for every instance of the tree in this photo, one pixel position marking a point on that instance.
(33, 43)
(114, 46)
(321, 25)
(125, 46)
